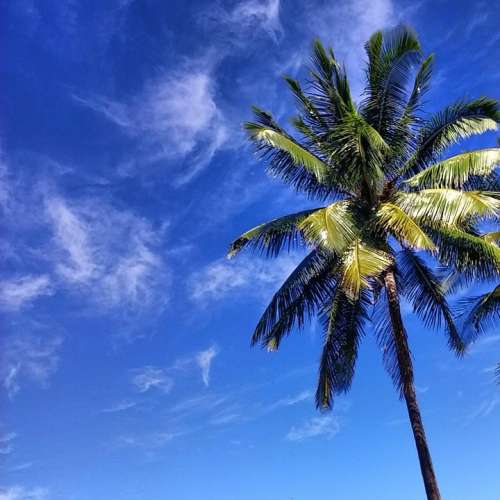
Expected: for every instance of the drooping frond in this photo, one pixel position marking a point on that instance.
(454, 172)
(343, 321)
(360, 263)
(456, 122)
(331, 228)
(297, 300)
(287, 159)
(271, 237)
(394, 219)
(481, 313)
(469, 254)
(448, 206)
(423, 290)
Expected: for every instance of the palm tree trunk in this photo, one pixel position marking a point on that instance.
(408, 389)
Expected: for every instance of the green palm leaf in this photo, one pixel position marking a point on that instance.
(454, 172)
(271, 237)
(424, 291)
(300, 296)
(331, 228)
(343, 322)
(360, 263)
(404, 227)
(448, 206)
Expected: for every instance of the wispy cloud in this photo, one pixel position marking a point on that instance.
(120, 406)
(22, 493)
(175, 117)
(327, 426)
(6, 443)
(29, 357)
(289, 401)
(90, 257)
(247, 17)
(204, 360)
(151, 377)
(256, 275)
(21, 291)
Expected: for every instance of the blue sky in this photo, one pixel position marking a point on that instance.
(126, 371)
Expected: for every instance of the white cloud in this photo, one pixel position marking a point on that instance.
(90, 255)
(247, 16)
(290, 401)
(255, 275)
(175, 117)
(149, 441)
(18, 292)
(118, 407)
(204, 360)
(327, 426)
(29, 357)
(151, 377)
(21, 493)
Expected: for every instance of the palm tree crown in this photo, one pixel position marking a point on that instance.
(389, 192)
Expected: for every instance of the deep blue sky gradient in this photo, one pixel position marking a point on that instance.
(126, 370)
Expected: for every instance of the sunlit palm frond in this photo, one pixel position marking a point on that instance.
(331, 228)
(492, 237)
(343, 320)
(271, 237)
(394, 219)
(456, 122)
(454, 172)
(300, 296)
(448, 206)
(360, 263)
(422, 288)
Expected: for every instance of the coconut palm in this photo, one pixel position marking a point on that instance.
(389, 195)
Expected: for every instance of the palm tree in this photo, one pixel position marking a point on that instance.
(388, 193)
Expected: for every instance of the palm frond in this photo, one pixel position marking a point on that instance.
(300, 296)
(391, 56)
(492, 237)
(454, 172)
(470, 255)
(480, 313)
(394, 219)
(448, 206)
(271, 237)
(287, 159)
(331, 228)
(360, 263)
(422, 288)
(343, 321)
(456, 122)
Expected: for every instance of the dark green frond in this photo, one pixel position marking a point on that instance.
(481, 313)
(297, 300)
(271, 237)
(391, 57)
(469, 254)
(343, 321)
(422, 288)
(289, 160)
(456, 122)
